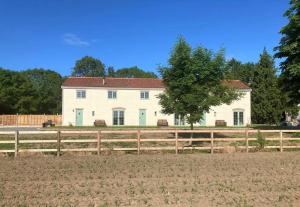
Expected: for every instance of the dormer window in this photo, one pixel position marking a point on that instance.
(112, 94)
(144, 95)
(80, 94)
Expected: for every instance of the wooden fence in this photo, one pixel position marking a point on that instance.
(99, 140)
(28, 120)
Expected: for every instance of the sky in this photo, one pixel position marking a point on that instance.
(53, 34)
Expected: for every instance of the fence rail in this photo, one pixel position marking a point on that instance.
(28, 120)
(138, 140)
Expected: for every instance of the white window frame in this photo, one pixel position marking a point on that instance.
(120, 122)
(112, 94)
(143, 95)
(80, 94)
(239, 122)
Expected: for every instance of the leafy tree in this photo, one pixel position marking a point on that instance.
(89, 66)
(235, 70)
(111, 71)
(134, 72)
(16, 92)
(193, 82)
(266, 98)
(47, 96)
(289, 50)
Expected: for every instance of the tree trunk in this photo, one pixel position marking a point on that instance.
(191, 137)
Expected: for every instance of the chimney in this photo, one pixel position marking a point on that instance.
(103, 80)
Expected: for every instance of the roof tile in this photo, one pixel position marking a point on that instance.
(131, 82)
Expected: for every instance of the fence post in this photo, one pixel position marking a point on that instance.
(16, 143)
(138, 141)
(281, 141)
(98, 142)
(176, 141)
(58, 143)
(247, 141)
(212, 142)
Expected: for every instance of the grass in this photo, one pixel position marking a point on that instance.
(138, 127)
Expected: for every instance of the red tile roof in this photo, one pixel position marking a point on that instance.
(131, 82)
(113, 82)
(236, 84)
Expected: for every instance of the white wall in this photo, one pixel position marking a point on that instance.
(129, 99)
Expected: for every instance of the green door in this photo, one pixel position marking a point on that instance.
(79, 117)
(142, 117)
(203, 120)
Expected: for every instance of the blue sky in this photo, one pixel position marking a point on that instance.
(53, 34)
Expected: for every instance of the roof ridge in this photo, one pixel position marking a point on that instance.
(83, 77)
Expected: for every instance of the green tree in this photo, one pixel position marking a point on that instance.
(235, 70)
(16, 92)
(193, 82)
(89, 66)
(289, 50)
(134, 72)
(111, 71)
(47, 87)
(266, 97)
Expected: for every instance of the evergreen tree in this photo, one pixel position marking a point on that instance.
(111, 71)
(235, 70)
(89, 66)
(266, 97)
(193, 82)
(289, 49)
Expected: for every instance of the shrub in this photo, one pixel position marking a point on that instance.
(261, 140)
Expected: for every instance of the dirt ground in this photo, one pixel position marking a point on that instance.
(238, 179)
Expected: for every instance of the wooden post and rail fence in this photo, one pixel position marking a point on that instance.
(99, 140)
(29, 120)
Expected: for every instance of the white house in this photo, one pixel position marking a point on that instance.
(134, 101)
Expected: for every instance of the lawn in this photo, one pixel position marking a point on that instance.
(238, 179)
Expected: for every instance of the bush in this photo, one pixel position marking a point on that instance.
(261, 140)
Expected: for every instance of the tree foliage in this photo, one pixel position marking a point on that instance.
(34, 91)
(289, 50)
(89, 66)
(133, 72)
(16, 92)
(266, 98)
(193, 82)
(236, 70)
(111, 71)
(47, 96)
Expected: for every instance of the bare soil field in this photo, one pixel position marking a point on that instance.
(237, 179)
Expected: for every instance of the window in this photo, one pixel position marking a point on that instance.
(93, 113)
(118, 117)
(238, 118)
(112, 94)
(178, 120)
(144, 94)
(80, 94)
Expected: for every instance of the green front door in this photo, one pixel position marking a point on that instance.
(79, 117)
(142, 117)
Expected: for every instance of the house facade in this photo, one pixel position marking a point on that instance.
(134, 102)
